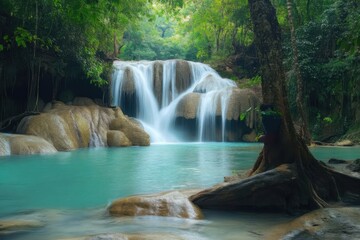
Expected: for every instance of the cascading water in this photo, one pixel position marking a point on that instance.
(152, 91)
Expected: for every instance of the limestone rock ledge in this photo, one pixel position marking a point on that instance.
(67, 127)
(168, 204)
(24, 145)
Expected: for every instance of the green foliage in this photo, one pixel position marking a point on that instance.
(327, 120)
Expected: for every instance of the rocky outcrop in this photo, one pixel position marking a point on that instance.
(71, 127)
(128, 85)
(188, 106)
(240, 101)
(117, 139)
(133, 132)
(326, 223)
(158, 81)
(15, 144)
(183, 75)
(169, 204)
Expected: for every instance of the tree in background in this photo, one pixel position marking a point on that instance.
(48, 44)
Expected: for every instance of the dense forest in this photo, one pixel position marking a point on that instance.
(58, 49)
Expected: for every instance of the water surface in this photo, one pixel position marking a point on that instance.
(69, 191)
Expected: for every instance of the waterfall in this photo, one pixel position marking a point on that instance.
(153, 92)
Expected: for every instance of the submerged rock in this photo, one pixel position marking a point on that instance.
(327, 223)
(13, 226)
(168, 204)
(135, 236)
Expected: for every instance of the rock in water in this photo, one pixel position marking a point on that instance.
(71, 127)
(169, 204)
(133, 131)
(117, 139)
(17, 144)
(326, 223)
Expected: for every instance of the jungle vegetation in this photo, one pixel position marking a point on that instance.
(57, 49)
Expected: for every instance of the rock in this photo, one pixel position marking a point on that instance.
(117, 139)
(354, 166)
(134, 133)
(135, 236)
(158, 81)
(250, 137)
(83, 101)
(11, 226)
(337, 161)
(24, 144)
(71, 127)
(326, 223)
(344, 143)
(188, 106)
(183, 75)
(5, 148)
(168, 204)
(128, 85)
(240, 101)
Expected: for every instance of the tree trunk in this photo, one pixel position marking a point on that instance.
(316, 183)
(304, 129)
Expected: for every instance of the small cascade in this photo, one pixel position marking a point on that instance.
(169, 91)
(167, 96)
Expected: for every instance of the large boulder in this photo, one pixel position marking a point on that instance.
(133, 131)
(71, 127)
(24, 144)
(326, 223)
(169, 204)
